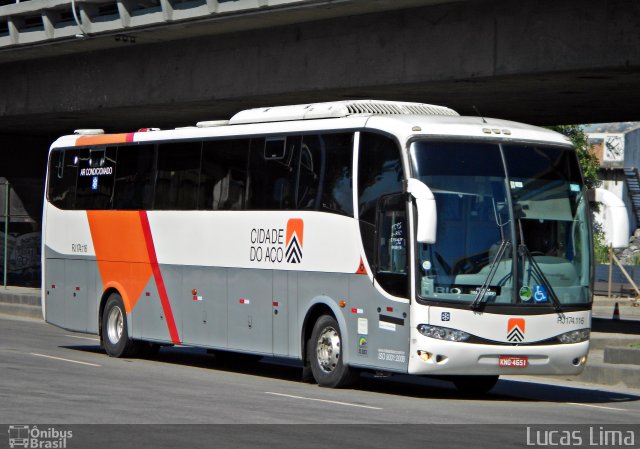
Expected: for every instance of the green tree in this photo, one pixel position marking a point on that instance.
(588, 160)
(590, 165)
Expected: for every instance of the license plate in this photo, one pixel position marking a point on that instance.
(513, 361)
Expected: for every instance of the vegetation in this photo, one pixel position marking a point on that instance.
(588, 160)
(600, 248)
(590, 165)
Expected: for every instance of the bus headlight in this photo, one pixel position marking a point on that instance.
(574, 336)
(442, 333)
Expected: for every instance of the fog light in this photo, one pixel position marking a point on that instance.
(425, 356)
(579, 361)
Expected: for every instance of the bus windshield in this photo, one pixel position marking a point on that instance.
(513, 224)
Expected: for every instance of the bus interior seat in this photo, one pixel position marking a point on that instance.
(227, 193)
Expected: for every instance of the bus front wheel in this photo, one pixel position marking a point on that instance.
(326, 355)
(115, 337)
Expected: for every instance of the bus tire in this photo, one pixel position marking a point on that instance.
(326, 356)
(115, 337)
(475, 385)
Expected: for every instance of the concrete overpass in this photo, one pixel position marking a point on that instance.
(167, 63)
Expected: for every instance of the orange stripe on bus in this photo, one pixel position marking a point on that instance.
(104, 139)
(121, 252)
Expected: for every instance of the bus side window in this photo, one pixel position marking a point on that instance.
(310, 166)
(391, 255)
(324, 177)
(379, 174)
(223, 175)
(272, 171)
(178, 173)
(96, 168)
(337, 196)
(133, 179)
(63, 171)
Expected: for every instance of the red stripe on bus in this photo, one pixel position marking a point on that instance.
(162, 291)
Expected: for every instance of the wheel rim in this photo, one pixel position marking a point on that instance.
(328, 349)
(115, 325)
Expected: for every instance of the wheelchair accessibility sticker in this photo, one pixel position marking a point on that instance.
(540, 293)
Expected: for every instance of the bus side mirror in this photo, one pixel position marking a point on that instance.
(427, 214)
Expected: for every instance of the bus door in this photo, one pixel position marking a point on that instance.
(392, 274)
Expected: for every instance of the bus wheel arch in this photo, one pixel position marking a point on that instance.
(323, 352)
(114, 335)
(307, 327)
(103, 302)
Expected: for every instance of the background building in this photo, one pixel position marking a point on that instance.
(617, 146)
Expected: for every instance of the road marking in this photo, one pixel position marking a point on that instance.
(324, 400)
(64, 360)
(598, 406)
(83, 338)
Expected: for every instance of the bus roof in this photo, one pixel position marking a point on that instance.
(402, 119)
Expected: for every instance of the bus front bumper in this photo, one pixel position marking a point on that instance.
(438, 357)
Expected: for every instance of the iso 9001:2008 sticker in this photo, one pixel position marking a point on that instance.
(390, 355)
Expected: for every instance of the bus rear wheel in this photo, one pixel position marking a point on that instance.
(475, 385)
(326, 356)
(115, 337)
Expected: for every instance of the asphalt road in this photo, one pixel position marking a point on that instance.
(49, 375)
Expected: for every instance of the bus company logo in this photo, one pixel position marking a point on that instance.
(515, 329)
(277, 245)
(295, 234)
(33, 437)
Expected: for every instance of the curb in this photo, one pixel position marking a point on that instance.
(623, 375)
(31, 298)
(598, 372)
(21, 310)
(21, 302)
(600, 341)
(622, 356)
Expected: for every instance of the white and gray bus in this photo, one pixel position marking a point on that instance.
(355, 235)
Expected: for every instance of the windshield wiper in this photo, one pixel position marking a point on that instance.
(542, 278)
(493, 268)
